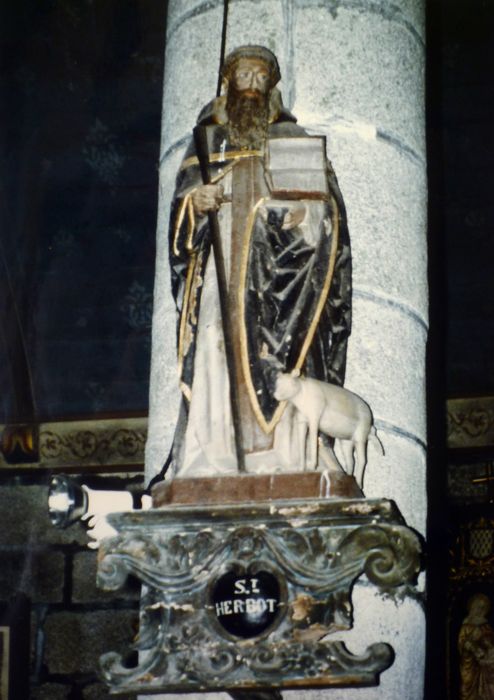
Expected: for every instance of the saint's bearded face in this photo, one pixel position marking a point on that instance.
(247, 104)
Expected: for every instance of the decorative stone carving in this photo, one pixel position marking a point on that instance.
(472, 556)
(94, 443)
(76, 444)
(189, 558)
(471, 422)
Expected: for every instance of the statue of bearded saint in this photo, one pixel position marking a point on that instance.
(287, 265)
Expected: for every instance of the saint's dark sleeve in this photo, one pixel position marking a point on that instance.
(185, 230)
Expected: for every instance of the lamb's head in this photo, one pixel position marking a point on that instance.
(287, 386)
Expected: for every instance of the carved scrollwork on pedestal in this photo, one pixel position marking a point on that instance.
(172, 561)
(391, 554)
(313, 660)
(315, 562)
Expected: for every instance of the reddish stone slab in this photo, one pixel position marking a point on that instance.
(254, 487)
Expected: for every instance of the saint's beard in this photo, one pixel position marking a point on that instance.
(247, 118)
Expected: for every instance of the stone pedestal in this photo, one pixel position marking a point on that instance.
(257, 594)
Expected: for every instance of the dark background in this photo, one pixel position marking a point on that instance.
(81, 91)
(461, 168)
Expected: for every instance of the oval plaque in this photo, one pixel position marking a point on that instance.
(246, 605)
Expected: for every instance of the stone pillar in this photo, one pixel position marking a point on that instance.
(352, 70)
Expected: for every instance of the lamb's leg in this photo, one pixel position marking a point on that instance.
(328, 456)
(347, 450)
(361, 453)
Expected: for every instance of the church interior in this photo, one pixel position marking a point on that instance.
(81, 87)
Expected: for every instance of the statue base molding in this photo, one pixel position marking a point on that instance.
(253, 595)
(243, 488)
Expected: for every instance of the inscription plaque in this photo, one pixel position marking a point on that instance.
(246, 606)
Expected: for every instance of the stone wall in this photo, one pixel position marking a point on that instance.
(72, 621)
